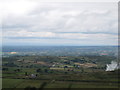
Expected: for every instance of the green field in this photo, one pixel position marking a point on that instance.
(71, 72)
(22, 83)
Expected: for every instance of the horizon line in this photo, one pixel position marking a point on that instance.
(60, 45)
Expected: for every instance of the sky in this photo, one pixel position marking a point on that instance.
(34, 22)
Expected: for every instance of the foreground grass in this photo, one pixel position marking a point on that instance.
(11, 83)
(23, 83)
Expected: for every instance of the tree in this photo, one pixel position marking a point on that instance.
(46, 70)
(38, 70)
(26, 74)
(65, 67)
(5, 69)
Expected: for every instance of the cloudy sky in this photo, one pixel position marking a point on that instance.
(28, 22)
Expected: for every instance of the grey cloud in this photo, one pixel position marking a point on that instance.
(84, 18)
